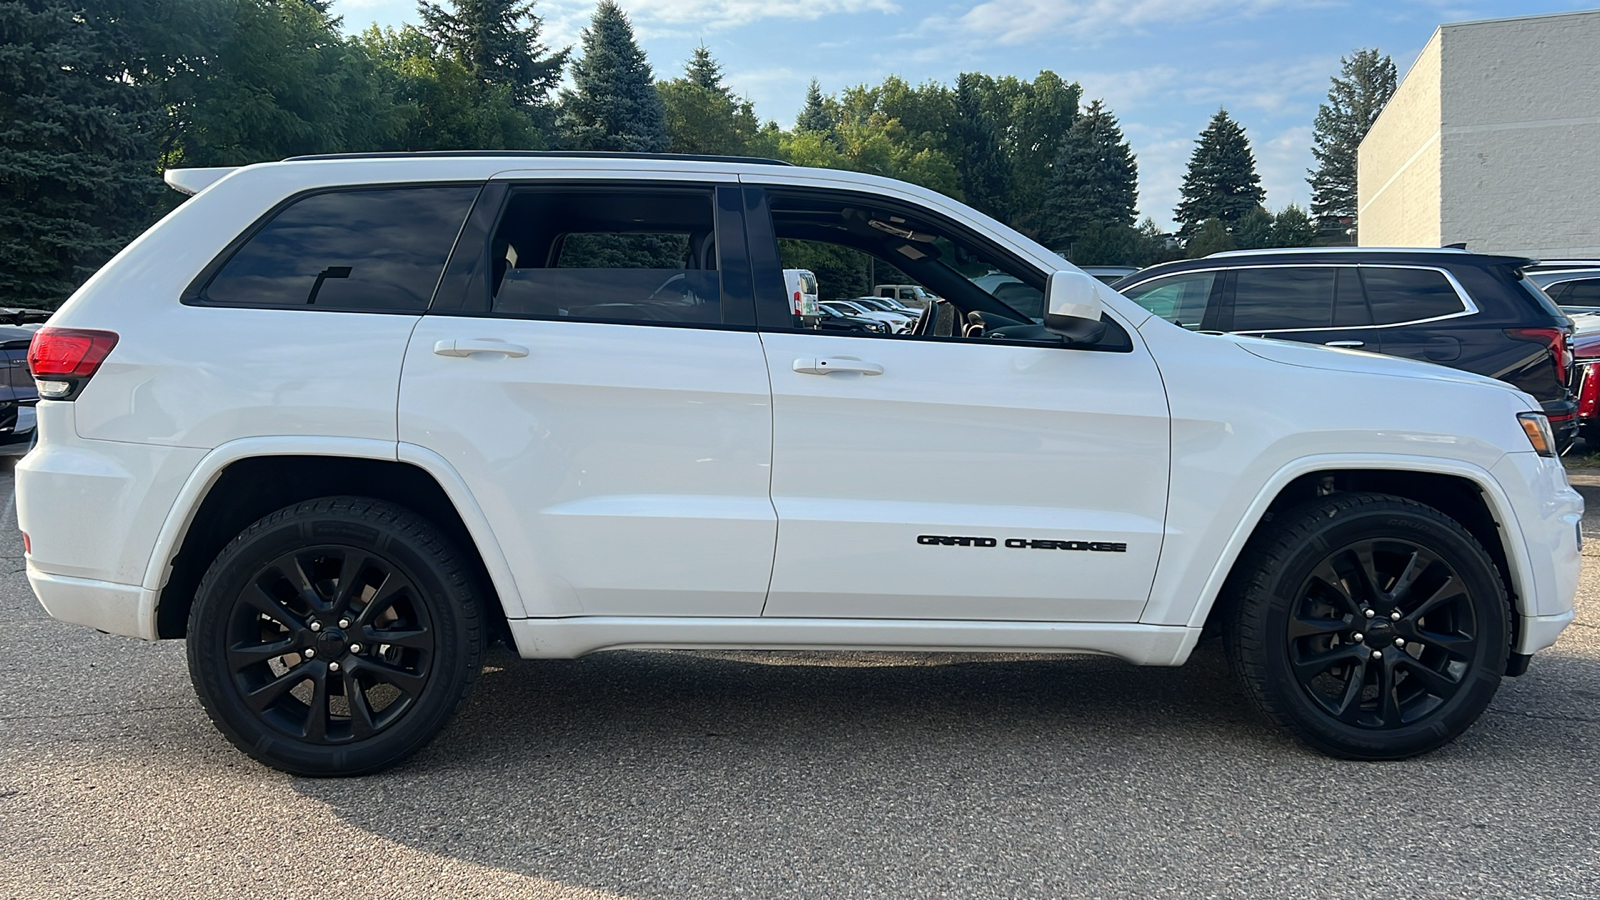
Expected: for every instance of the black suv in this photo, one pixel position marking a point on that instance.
(1469, 311)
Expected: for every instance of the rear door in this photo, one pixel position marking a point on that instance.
(1417, 311)
(592, 370)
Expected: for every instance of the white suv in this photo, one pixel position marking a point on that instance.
(339, 422)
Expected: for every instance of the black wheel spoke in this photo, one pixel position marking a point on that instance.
(256, 597)
(271, 692)
(1435, 683)
(350, 569)
(1328, 579)
(1450, 590)
(1456, 646)
(244, 655)
(408, 683)
(1315, 664)
(411, 639)
(1312, 626)
(1349, 706)
(1388, 700)
(392, 588)
(316, 727)
(1415, 566)
(361, 719)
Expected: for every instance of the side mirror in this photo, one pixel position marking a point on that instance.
(1073, 307)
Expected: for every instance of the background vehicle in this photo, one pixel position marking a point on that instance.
(1468, 311)
(1109, 274)
(1573, 284)
(831, 320)
(802, 286)
(884, 304)
(912, 295)
(578, 413)
(18, 395)
(897, 322)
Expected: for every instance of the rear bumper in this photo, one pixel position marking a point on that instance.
(102, 605)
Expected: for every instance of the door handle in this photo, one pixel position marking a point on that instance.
(815, 366)
(1351, 344)
(462, 349)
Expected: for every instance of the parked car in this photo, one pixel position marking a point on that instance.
(1468, 311)
(897, 323)
(1573, 284)
(338, 470)
(829, 319)
(1110, 274)
(884, 304)
(802, 287)
(913, 295)
(17, 393)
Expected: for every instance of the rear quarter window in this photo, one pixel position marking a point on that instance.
(379, 249)
(1409, 295)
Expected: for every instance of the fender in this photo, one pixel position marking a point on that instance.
(1500, 506)
(179, 518)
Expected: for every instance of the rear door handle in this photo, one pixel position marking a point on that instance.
(825, 365)
(464, 348)
(1345, 344)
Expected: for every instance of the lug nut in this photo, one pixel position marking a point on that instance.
(1376, 654)
(1399, 642)
(1395, 616)
(311, 653)
(1358, 637)
(355, 648)
(1368, 613)
(345, 623)
(315, 626)
(333, 667)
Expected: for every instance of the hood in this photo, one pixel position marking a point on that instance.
(1314, 356)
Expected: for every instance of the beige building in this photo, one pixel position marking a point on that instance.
(1492, 139)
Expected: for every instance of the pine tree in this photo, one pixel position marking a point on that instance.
(1291, 227)
(814, 116)
(78, 143)
(497, 42)
(984, 170)
(1095, 180)
(1359, 93)
(1221, 182)
(613, 104)
(1253, 231)
(705, 72)
(1210, 236)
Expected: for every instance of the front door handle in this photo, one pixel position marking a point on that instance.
(464, 348)
(825, 365)
(1351, 344)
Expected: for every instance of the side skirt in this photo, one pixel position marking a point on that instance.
(566, 638)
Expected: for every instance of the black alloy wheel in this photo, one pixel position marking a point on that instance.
(334, 637)
(1370, 626)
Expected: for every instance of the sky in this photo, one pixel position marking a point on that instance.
(1163, 66)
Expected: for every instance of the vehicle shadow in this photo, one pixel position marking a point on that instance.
(679, 774)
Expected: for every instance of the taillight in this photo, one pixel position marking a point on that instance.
(1588, 391)
(1559, 342)
(63, 360)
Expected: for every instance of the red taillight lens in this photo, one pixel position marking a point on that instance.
(63, 359)
(1557, 339)
(1588, 390)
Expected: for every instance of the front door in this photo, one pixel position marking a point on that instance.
(596, 379)
(947, 474)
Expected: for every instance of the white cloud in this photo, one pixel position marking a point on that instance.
(720, 14)
(1091, 21)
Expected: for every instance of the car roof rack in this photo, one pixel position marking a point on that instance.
(541, 154)
(1274, 251)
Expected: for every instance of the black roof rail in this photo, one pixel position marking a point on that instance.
(540, 154)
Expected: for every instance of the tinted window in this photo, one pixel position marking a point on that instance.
(356, 250)
(1180, 299)
(1583, 293)
(637, 256)
(1278, 298)
(1349, 305)
(1408, 295)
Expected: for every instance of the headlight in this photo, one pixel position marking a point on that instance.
(1537, 427)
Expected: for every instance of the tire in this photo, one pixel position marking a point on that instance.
(1322, 596)
(335, 637)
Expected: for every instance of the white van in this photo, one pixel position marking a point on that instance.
(802, 285)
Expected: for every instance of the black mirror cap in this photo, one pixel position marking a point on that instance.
(1076, 331)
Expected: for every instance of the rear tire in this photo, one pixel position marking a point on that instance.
(1369, 626)
(334, 637)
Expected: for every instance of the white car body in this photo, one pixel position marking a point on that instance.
(729, 537)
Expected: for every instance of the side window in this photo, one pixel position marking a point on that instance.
(1349, 303)
(1277, 298)
(1558, 292)
(1582, 293)
(639, 255)
(1180, 299)
(1408, 295)
(378, 249)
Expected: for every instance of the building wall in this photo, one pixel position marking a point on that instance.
(1521, 135)
(1397, 168)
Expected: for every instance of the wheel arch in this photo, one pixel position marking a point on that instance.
(1465, 492)
(242, 481)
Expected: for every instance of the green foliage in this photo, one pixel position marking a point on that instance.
(78, 140)
(613, 104)
(985, 173)
(439, 105)
(1291, 227)
(1031, 120)
(1221, 182)
(497, 43)
(1359, 93)
(1211, 236)
(815, 116)
(1101, 244)
(1094, 184)
(869, 136)
(703, 116)
(1253, 231)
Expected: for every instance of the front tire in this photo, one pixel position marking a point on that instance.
(334, 637)
(1369, 626)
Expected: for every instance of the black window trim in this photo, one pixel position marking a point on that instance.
(1469, 308)
(194, 294)
(727, 223)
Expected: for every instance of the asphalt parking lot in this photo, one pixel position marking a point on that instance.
(682, 775)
